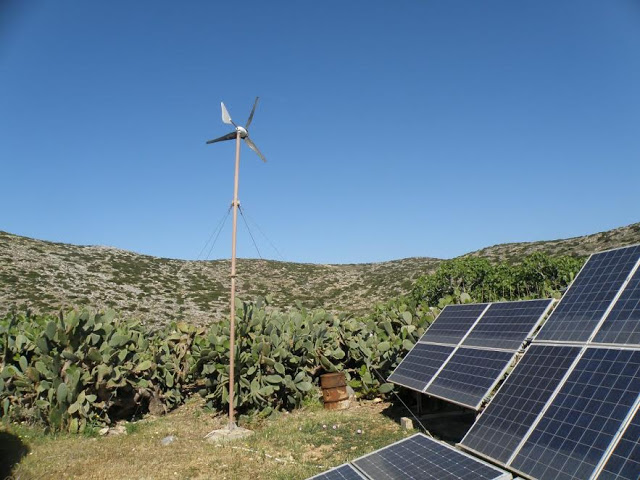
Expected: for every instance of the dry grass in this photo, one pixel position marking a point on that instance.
(291, 446)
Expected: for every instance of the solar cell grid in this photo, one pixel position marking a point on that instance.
(419, 457)
(453, 323)
(622, 325)
(591, 293)
(507, 324)
(510, 414)
(420, 365)
(343, 472)
(573, 434)
(469, 375)
(624, 462)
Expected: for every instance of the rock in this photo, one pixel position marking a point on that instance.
(118, 429)
(376, 400)
(103, 431)
(168, 440)
(351, 393)
(406, 423)
(156, 407)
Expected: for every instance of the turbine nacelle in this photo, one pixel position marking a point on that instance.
(243, 131)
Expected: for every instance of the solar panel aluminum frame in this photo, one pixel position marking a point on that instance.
(422, 343)
(355, 470)
(552, 303)
(485, 456)
(606, 312)
(610, 309)
(450, 345)
(488, 304)
(477, 406)
(455, 348)
(504, 476)
(616, 439)
(546, 407)
(552, 342)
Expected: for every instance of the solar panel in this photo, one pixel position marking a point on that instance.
(470, 375)
(420, 365)
(514, 408)
(624, 462)
(420, 457)
(453, 323)
(589, 296)
(343, 472)
(622, 325)
(507, 324)
(573, 434)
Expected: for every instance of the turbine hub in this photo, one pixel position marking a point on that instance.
(243, 131)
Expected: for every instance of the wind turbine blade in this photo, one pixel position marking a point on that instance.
(253, 110)
(228, 136)
(226, 118)
(253, 147)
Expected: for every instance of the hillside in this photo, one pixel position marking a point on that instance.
(575, 246)
(47, 276)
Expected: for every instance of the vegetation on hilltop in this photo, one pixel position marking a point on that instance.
(537, 276)
(46, 276)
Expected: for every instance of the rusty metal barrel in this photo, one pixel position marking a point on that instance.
(334, 391)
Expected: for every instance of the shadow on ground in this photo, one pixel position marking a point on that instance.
(12, 449)
(444, 420)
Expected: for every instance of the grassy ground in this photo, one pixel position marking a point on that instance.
(290, 446)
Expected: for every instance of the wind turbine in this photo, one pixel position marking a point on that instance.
(239, 133)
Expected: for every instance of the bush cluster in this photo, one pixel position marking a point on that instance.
(82, 369)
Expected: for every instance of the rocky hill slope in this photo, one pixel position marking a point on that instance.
(46, 276)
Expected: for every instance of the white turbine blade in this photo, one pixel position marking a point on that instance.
(226, 118)
(253, 147)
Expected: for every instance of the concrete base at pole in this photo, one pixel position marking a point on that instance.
(227, 434)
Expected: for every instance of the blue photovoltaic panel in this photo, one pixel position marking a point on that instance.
(512, 411)
(343, 472)
(589, 296)
(507, 324)
(469, 375)
(579, 425)
(420, 365)
(453, 323)
(624, 462)
(622, 325)
(420, 457)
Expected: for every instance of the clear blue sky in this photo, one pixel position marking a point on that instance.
(391, 129)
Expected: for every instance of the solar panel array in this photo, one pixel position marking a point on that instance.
(418, 457)
(570, 408)
(590, 295)
(468, 349)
